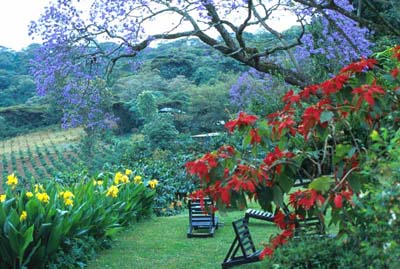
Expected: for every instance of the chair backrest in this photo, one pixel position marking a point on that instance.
(312, 226)
(243, 236)
(199, 211)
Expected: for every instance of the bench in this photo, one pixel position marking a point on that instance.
(258, 214)
(242, 250)
(201, 222)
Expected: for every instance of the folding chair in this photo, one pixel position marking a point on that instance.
(201, 222)
(242, 250)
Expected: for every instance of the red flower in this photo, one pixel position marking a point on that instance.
(395, 72)
(309, 90)
(334, 85)
(255, 138)
(267, 251)
(338, 201)
(202, 166)
(280, 220)
(396, 52)
(291, 98)
(226, 151)
(242, 120)
(366, 93)
(358, 67)
(311, 117)
(305, 199)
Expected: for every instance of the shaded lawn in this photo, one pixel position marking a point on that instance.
(162, 243)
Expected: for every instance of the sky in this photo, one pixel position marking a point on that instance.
(15, 16)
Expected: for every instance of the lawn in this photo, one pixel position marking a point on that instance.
(162, 243)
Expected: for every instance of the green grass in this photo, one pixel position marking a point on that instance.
(162, 243)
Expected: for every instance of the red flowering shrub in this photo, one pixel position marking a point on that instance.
(322, 133)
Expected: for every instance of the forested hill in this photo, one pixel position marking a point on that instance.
(183, 75)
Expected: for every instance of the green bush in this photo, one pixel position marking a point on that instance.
(161, 132)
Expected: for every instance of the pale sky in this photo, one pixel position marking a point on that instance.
(15, 16)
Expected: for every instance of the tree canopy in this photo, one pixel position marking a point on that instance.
(331, 30)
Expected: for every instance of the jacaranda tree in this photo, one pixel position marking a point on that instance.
(73, 34)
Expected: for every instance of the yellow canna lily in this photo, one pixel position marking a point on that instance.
(23, 216)
(12, 180)
(112, 191)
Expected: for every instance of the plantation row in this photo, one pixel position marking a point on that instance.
(45, 154)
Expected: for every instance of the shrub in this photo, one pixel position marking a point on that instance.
(39, 221)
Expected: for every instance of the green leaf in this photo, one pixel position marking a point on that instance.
(27, 239)
(285, 182)
(326, 116)
(355, 182)
(321, 184)
(277, 196)
(246, 140)
(340, 152)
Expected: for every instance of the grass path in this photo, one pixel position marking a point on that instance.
(162, 243)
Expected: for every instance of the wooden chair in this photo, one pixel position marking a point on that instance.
(201, 222)
(242, 250)
(259, 214)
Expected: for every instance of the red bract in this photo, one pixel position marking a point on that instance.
(291, 98)
(360, 66)
(305, 199)
(280, 220)
(366, 92)
(226, 151)
(243, 120)
(334, 85)
(255, 137)
(202, 166)
(395, 72)
(311, 117)
(266, 252)
(396, 52)
(338, 201)
(308, 91)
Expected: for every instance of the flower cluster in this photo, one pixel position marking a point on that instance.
(12, 181)
(153, 183)
(67, 197)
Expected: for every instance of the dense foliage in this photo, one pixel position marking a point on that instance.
(72, 56)
(324, 133)
(42, 219)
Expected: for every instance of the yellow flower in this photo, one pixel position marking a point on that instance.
(43, 197)
(12, 180)
(23, 216)
(125, 179)
(128, 172)
(98, 182)
(118, 177)
(374, 135)
(68, 195)
(29, 194)
(68, 202)
(38, 187)
(3, 197)
(137, 179)
(112, 191)
(153, 183)
(172, 205)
